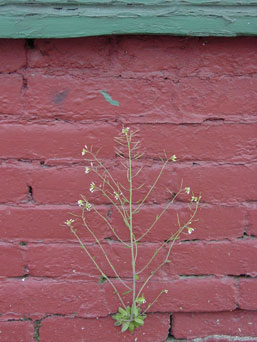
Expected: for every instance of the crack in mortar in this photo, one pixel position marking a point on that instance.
(216, 337)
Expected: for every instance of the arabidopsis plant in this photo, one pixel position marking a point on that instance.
(121, 198)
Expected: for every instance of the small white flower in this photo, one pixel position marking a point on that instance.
(69, 222)
(92, 165)
(187, 190)
(165, 291)
(116, 195)
(88, 206)
(92, 187)
(80, 203)
(87, 169)
(125, 130)
(84, 151)
(173, 158)
(190, 230)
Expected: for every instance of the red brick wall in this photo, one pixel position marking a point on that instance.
(195, 97)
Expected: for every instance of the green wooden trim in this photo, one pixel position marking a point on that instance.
(76, 18)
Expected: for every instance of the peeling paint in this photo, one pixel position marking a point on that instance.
(109, 99)
(23, 19)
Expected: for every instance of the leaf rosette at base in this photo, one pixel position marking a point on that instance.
(130, 318)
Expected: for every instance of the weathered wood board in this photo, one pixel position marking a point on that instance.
(75, 18)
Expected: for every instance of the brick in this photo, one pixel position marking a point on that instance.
(141, 54)
(77, 183)
(64, 261)
(53, 141)
(46, 223)
(209, 60)
(14, 183)
(247, 294)
(11, 261)
(219, 258)
(10, 331)
(63, 184)
(223, 142)
(36, 298)
(252, 226)
(192, 294)
(215, 222)
(216, 183)
(11, 101)
(79, 98)
(183, 56)
(60, 329)
(219, 183)
(210, 142)
(195, 325)
(65, 97)
(84, 53)
(12, 55)
(223, 98)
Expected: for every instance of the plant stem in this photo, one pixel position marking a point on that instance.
(131, 224)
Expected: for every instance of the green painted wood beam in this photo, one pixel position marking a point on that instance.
(76, 18)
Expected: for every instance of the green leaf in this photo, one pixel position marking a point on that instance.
(102, 279)
(135, 310)
(131, 327)
(125, 326)
(139, 321)
(117, 316)
(136, 324)
(126, 292)
(128, 309)
(136, 277)
(109, 99)
(123, 312)
(118, 323)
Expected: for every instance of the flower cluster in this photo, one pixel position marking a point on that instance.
(117, 195)
(173, 158)
(195, 198)
(92, 187)
(125, 130)
(69, 222)
(85, 204)
(187, 190)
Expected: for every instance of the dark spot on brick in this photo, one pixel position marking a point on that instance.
(59, 98)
